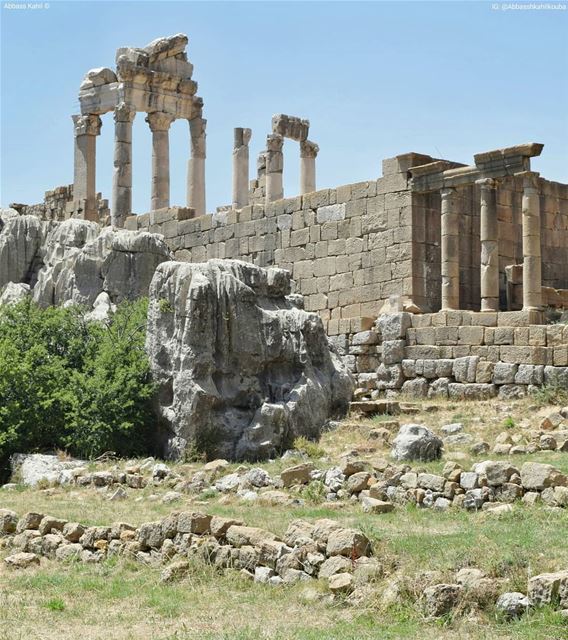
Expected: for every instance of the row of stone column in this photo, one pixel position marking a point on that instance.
(273, 161)
(87, 127)
(489, 237)
(275, 166)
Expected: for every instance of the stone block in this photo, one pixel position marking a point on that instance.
(394, 326)
(393, 351)
(476, 391)
(330, 213)
(465, 369)
(471, 335)
(504, 373)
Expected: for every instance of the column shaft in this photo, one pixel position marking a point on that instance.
(274, 167)
(241, 168)
(450, 266)
(532, 260)
(489, 236)
(308, 153)
(85, 160)
(122, 174)
(159, 124)
(196, 166)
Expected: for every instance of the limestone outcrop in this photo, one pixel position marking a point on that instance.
(75, 262)
(241, 369)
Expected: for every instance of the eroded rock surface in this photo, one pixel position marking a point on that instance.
(241, 369)
(74, 262)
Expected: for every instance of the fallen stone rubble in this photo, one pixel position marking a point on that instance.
(322, 550)
(378, 485)
(307, 550)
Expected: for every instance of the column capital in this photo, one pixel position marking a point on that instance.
(486, 183)
(447, 192)
(530, 179)
(274, 142)
(159, 121)
(89, 125)
(242, 137)
(308, 149)
(124, 113)
(197, 130)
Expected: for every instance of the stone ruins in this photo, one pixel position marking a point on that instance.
(429, 279)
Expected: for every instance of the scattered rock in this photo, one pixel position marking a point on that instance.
(341, 583)
(441, 599)
(536, 476)
(299, 474)
(415, 442)
(512, 604)
(22, 560)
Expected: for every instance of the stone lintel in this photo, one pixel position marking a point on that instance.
(403, 162)
(290, 127)
(529, 150)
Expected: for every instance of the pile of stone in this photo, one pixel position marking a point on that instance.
(552, 435)
(323, 549)
(473, 585)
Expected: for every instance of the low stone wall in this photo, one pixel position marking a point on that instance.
(459, 354)
(58, 205)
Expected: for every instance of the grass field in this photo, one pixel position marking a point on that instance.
(120, 599)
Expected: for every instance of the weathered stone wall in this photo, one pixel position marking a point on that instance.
(349, 249)
(58, 205)
(461, 354)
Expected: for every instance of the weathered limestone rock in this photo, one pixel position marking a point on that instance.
(299, 474)
(241, 370)
(35, 467)
(415, 442)
(512, 604)
(536, 476)
(441, 598)
(21, 560)
(12, 293)
(21, 240)
(548, 588)
(81, 263)
(348, 542)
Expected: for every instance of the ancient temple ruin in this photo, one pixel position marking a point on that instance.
(471, 255)
(155, 80)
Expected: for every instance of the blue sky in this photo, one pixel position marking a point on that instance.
(376, 79)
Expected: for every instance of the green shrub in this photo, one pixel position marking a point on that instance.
(309, 447)
(66, 383)
(552, 393)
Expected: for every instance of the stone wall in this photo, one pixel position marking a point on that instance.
(349, 249)
(58, 205)
(461, 354)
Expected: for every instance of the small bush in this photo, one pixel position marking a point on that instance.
(554, 393)
(72, 385)
(310, 448)
(314, 492)
(509, 423)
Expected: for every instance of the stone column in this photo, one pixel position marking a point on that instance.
(450, 267)
(159, 124)
(122, 175)
(84, 174)
(532, 260)
(196, 166)
(489, 236)
(308, 152)
(241, 167)
(274, 167)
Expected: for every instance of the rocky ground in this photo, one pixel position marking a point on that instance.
(333, 540)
